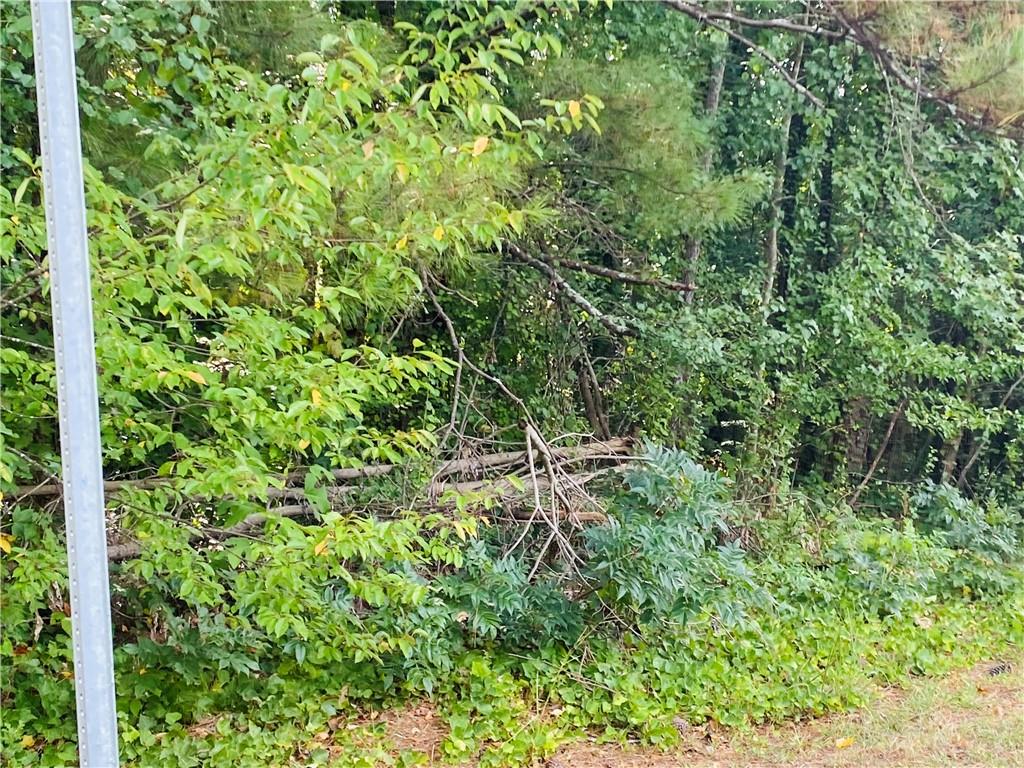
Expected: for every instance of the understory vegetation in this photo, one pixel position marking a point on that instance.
(577, 367)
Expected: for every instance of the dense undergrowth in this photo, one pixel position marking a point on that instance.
(677, 621)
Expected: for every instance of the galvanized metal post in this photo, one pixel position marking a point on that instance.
(81, 463)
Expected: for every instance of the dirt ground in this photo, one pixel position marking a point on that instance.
(972, 718)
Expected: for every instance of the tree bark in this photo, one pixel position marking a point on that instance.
(950, 452)
(858, 435)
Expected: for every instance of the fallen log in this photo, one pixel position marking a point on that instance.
(513, 495)
(615, 447)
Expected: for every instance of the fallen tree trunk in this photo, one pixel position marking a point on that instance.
(513, 496)
(616, 446)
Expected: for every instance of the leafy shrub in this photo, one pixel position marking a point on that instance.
(888, 570)
(985, 538)
(658, 558)
(317, 622)
(494, 598)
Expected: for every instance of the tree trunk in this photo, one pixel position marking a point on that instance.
(895, 462)
(386, 12)
(772, 244)
(827, 257)
(950, 452)
(978, 444)
(771, 253)
(897, 417)
(711, 101)
(858, 436)
(593, 404)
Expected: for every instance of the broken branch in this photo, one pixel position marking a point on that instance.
(613, 324)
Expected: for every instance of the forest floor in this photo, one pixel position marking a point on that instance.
(969, 718)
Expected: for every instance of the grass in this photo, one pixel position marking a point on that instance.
(969, 718)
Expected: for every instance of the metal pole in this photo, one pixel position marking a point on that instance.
(81, 463)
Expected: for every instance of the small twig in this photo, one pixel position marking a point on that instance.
(30, 275)
(426, 279)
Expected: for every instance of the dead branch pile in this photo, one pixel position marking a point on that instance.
(541, 485)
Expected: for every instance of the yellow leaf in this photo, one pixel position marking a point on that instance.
(439, 233)
(303, 445)
(316, 397)
(844, 743)
(402, 242)
(368, 149)
(480, 145)
(196, 377)
(574, 108)
(402, 171)
(161, 375)
(5, 542)
(515, 220)
(345, 85)
(320, 548)
(28, 741)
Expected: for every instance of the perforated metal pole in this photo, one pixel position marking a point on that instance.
(81, 464)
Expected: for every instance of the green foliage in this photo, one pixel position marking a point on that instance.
(658, 558)
(490, 717)
(986, 537)
(298, 219)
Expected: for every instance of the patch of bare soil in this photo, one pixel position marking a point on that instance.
(417, 727)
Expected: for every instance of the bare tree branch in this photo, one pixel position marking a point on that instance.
(887, 62)
(878, 454)
(700, 15)
(508, 490)
(597, 449)
(615, 274)
(613, 324)
(703, 14)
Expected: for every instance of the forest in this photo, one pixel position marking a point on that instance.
(573, 370)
